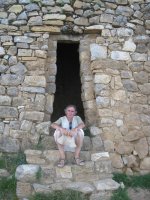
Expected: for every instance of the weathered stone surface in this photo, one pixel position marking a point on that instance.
(11, 79)
(145, 88)
(19, 69)
(95, 131)
(24, 52)
(23, 189)
(33, 21)
(129, 45)
(2, 51)
(141, 147)
(26, 172)
(64, 172)
(39, 188)
(106, 184)
(8, 112)
(43, 128)
(145, 164)
(35, 81)
(116, 161)
(5, 101)
(81, 21)
(102, 78)
(124, 148)
(84, 187)
(49, 103)
(99, 156)
(133, 135)
(120, 55)
(97, 143)
(98, 51)
(32, 116)
(51, 29)
(9, 145)
(23, 39)
(16, 9)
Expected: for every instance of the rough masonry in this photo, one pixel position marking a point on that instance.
(114, 49)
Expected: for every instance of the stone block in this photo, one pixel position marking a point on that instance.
(120, 55)
(142, 148)
(24, 52)
(64, 172)
(32, 116)
(23, 189)
(35, 81)
(9, 145)
(49, 103)
(145, 88)
(124, 148)
(39, 188)
(116, 160)
(27, 172)
(43, 128)
(84, 187)
(8, 112)
(11, 79)
(97, 143)
(145, 164)
(102, 78)
(133, 135)
(98, 52)
(5, 101)
(106, 184)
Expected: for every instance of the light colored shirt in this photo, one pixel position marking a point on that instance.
(64, 123)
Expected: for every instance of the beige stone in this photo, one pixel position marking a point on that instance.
(23, 189)
(133, 135)
(64, 172)
(145, 163)
(35, 81)
(16, 9)
(142, 148)
(32, 116)
(124, 148)
(51, 29)
(116, 161)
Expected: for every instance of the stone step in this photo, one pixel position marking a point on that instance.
(90, 143)
(41, 174)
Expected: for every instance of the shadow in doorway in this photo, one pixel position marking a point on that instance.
(68, 83)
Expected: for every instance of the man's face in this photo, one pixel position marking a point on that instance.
(70, 112)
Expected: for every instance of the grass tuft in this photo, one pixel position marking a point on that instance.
(8, 188)
(142, 181)
(120, 194)
(60, 195)
(8, 184)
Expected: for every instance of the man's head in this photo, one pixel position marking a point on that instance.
(70, 111)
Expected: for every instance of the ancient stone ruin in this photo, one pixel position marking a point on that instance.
(108, 45)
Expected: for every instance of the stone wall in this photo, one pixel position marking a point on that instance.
(115, 72)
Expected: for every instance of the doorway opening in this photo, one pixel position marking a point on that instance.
(68, 83)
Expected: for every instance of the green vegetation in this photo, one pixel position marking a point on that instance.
(60, 195)
(8, 184)
(39, 174)
(142, 181)
(120, 194)
(87, 132)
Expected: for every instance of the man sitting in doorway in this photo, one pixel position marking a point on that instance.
(69, 134)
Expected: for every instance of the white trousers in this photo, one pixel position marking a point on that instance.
(58, 134)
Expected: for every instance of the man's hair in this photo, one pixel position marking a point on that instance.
(71, 105)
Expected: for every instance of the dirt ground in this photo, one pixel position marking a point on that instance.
(139, 194)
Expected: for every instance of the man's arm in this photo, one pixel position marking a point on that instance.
(57, 126)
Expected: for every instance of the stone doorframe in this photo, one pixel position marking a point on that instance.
(87, 85)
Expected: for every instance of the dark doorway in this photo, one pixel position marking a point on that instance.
(68, 84)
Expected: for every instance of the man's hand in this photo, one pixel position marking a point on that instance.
(73, 132)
